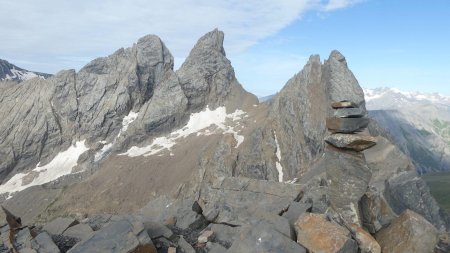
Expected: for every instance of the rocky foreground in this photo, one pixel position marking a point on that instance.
(128, 155)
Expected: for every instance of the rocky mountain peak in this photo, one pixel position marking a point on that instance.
(207, 77)
(211, 41)
(341, 83)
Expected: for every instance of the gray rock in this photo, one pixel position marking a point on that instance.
(119, 236)
(23, 239)
(98, 221)
(59, 225)
(349, 113)
(79, 231)
(347, 125)
(357, 142)
(295, 210)
(43, 243)
(263, 238)
(156, 230)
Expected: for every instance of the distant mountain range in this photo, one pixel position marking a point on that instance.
(10, 71)
(419, 123)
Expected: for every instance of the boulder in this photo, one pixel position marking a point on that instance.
(347, 125)
(366, 243)
(349, 113)
(59, 225)
(122, 236)
(357, 142)
(375, 211)
(409, 233)
(263, 238)
(343, 104)
(79, 231)
(44, 243)
(172, 250)
(317, 234)
(348, 177)
(156, 230)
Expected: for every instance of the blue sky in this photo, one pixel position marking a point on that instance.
(403, 44)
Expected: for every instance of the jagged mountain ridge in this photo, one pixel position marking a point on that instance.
(134, 136)
(11, 72)
(419, 123)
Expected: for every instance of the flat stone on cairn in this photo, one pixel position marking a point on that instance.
(347, 125)
(343, 104)
(357, 142)
(349, 113)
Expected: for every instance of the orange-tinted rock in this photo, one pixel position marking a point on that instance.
(409, 233)
(317, 234)
(367, 244)
(343, 104)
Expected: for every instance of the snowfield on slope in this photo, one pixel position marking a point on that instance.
(199, 124)
(61, 165)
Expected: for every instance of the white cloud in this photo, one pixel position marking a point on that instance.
(56, 34)
(339, 4)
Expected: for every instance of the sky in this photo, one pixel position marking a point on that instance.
(402, 44)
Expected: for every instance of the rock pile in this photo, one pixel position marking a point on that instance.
(348, 121)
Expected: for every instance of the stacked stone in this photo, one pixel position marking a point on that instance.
(347, 125)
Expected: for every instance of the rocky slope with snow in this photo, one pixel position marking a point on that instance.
(419, 123)
(11, 72)
(140, 158)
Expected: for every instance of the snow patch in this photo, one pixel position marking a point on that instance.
(21, 75)
(61, 165)
(126, 121)
(199, 123)
(278, 164)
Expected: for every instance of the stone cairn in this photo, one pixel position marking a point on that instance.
(347, 127)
